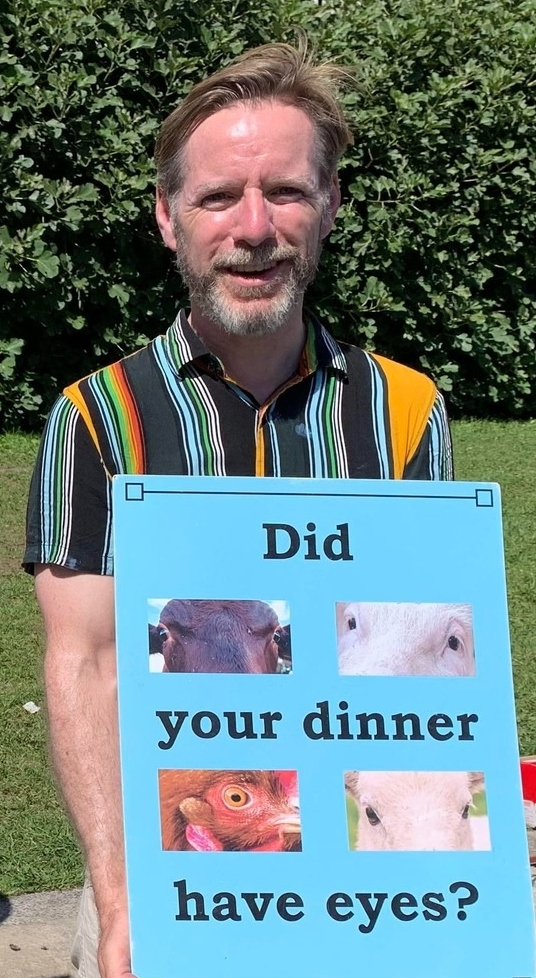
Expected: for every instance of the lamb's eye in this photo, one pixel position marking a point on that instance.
(352, 624)
(235, 797)
(465, 813)
(372, 816)
(453, 643)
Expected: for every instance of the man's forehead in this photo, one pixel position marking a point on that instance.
(272, 129)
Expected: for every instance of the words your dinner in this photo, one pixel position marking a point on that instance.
(326, 722)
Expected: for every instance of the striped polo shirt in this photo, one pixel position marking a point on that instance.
(169, 408)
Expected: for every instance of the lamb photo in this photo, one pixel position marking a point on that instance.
(396, 639)
(229, 811)
(219, 636)
(427, 811)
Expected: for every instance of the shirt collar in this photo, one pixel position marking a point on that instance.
(184, 345)
(321, 350)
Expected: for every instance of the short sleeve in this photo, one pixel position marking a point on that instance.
(433, 457)
(69, 506)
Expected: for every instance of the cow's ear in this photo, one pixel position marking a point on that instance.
(351, 782)
(157, 635)
(476, 781)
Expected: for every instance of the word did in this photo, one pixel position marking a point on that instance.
(283, 542)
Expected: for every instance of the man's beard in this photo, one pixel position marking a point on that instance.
(234, 313)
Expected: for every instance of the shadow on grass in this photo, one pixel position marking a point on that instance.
(5, 907)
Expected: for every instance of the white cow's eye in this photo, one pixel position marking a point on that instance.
(465, 813)
(352, 624)
(372, 816)
(453, 643)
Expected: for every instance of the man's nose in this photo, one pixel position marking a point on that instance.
(254, 222)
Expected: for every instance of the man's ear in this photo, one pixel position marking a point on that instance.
(164, 220)
(331, 208)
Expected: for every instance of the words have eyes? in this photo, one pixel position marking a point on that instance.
(324, 723)
(341, 907)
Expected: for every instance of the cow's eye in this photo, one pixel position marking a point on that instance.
(163, 633)
(277, 637)
(352, 624)
(372, 816)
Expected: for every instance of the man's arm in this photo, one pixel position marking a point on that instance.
(433, 458)
(80, 678)
(419, 427)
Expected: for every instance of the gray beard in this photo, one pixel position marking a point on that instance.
(236, 317)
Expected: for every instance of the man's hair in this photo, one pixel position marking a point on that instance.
(272, 72)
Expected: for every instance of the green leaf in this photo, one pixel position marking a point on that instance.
(47, 264)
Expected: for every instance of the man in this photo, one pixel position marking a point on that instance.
(244, 384)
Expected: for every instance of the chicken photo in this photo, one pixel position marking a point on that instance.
(233, 811)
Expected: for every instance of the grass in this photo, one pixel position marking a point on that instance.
(506, 453)
(37, 846)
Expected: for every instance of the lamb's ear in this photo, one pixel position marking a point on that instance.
(476, 781)
(157, 634)
(351, 782)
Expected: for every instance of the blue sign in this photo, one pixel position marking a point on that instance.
(318, 741)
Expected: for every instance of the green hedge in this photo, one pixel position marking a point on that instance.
(432, 260)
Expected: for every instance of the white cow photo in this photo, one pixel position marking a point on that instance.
(397, 639)
(417, 810)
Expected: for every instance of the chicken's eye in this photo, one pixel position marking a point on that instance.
(453, 643)
(352, 624)
(372, 816)
(235, 797)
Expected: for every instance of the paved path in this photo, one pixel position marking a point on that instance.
(36, 931)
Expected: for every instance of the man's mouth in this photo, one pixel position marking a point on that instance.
(265, 267)
(255, 274)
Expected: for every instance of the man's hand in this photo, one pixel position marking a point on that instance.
(114, 949)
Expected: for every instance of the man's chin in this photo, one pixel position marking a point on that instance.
(252, 323)
(251, 315)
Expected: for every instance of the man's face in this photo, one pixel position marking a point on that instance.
(248, 222)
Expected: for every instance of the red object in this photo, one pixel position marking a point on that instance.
(289, 780)
(528, 778)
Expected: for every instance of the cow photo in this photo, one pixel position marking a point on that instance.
(219, 636)
(417, 810)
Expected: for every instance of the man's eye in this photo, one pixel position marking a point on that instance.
(286, 192)
(215, 199)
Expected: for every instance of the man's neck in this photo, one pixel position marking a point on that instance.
(258, 364)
